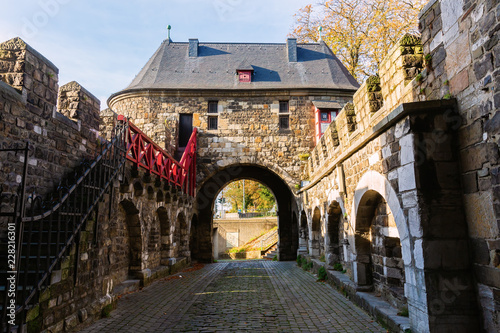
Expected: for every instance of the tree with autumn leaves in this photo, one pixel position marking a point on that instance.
(359, 32)
(257, 196)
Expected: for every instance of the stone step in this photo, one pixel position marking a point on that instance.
(126, 287)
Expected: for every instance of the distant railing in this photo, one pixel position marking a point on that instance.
(142, 151)
(255, 214)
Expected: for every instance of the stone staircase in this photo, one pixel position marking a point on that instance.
(271, 252)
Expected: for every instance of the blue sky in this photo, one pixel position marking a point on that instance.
(103, 44)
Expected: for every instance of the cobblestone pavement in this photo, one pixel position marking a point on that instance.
(238, 296)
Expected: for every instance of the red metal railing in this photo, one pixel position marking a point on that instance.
(142, 151)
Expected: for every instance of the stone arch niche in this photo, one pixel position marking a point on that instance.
(304, 233)
(315, 233)
(378, 248)
(135, 238)
(334, 230)
(375, 185)
(164, 235)
(201, 247)
(183, 235)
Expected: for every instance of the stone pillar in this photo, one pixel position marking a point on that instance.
(31, 74)
(109, 119)
(79, 105)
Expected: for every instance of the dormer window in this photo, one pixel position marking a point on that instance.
(244, 71)
(245, 76)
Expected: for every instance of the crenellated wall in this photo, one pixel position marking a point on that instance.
(428, 134)
(60, 135)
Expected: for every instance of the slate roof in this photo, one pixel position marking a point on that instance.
(326, 105)
(216, 64)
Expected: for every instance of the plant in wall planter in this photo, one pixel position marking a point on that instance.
(428, 61)
(419, 78)
(304, 157)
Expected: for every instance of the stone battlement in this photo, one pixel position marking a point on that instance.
(395, 84)
(61, 124)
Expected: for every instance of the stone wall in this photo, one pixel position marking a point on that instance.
(412, 156)
(462, 38)
(132, 237)
(248, 130)
(29, 114)
(246, 229)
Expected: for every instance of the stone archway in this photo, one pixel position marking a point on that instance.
(183, 235)
(304, 234)
(135, 237)
(373, 181)
(334, 230)
(373, 198)
(202, 248)
(315, 233)
(164, 235)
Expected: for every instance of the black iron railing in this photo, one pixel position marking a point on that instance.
(45, 232)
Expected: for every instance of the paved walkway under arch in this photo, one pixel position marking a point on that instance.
(238, 296)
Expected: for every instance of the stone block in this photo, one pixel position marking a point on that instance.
(471, 134)
(469, 181)
(446, 254)
(406, 176)
(407, 149)
(458, 56)
(70, 322)
(474, 157)
(451, 10)
(459, 82)
(483, 66)
(480, 251)
(487, 275)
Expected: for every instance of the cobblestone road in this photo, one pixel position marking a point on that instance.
(238, 296)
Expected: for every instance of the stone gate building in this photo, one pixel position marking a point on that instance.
(254, 106)
(394, 183)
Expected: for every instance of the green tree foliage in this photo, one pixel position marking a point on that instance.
(258, 198)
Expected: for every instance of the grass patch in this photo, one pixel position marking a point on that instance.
(338, 267)
(322, 274)
(106, 311)
(403, 312)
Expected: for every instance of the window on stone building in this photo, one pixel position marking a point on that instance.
(212, 106)
(284, 122)
(283, 106)
(212, 122)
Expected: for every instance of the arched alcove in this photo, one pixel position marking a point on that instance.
(164, 235)
(378, 247)
(334, 232)
(183, 235)
(315, 232)
(135, 236)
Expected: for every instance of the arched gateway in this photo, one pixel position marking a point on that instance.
(201, 245)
